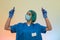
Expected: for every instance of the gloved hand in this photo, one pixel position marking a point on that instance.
(44, 12)
(11, 12)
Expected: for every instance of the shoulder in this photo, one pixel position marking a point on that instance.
(37, 24)
(17, 24)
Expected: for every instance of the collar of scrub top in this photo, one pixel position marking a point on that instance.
(28, 24)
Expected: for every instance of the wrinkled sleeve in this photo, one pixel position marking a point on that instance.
(13, 28)
(42, 28)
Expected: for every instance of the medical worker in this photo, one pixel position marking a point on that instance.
(28, 30)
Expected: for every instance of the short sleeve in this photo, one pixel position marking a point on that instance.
(42, 28)
(14, 27)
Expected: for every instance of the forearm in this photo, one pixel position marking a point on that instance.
(7, 25)
(11, 13)
(48, 24)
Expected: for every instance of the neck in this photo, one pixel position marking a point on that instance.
(29, 22)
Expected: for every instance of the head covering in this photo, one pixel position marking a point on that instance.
(34, 15)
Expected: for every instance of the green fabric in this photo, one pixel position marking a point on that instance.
(34, 15)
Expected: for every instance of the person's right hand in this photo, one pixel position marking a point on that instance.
(11, 12)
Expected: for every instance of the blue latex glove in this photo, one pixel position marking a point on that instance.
(11, 12)
(44, 12)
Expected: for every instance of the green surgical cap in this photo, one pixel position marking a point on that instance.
(34, 15)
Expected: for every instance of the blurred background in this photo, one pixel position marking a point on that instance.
(21, 7)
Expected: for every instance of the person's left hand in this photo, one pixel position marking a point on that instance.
(44, 12)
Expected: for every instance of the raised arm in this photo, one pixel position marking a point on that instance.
(7, 24)
(48, 24)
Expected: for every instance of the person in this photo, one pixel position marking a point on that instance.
(28, 30)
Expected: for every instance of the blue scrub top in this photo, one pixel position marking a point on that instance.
(25, 32)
